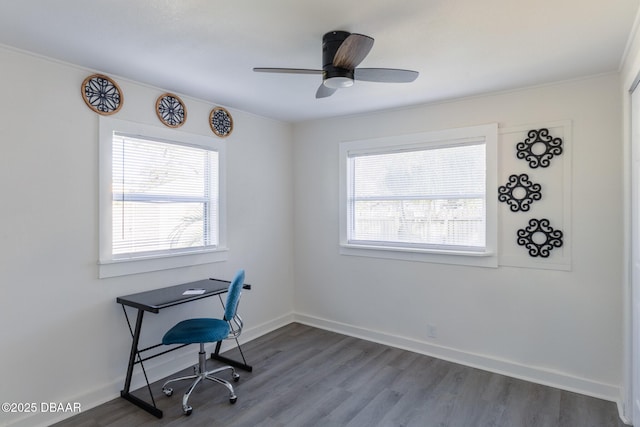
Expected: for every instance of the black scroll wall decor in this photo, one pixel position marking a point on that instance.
(539, 237)
(519, 193)
(539, 148)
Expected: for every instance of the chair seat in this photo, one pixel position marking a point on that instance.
(193, 331)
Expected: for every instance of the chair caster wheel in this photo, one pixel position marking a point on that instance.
(236, 377)
(167, 391)
(233, 399)
(187, 410)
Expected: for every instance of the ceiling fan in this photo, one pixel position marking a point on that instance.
(341, 53)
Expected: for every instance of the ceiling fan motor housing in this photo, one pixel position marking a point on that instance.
(331, 41)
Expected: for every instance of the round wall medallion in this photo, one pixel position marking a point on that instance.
(221, 122)
(171, 110)
(539, 148)
(102, 94)
(519, 192)
(539, 237)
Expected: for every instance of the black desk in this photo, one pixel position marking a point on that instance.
(154, 301)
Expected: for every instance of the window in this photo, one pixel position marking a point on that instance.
(164, 197)
(161, 198)
(421, 197)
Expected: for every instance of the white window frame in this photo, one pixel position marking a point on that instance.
(483, 133)
(110, 265)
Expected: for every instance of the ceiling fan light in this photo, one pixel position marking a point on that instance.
(338, 82)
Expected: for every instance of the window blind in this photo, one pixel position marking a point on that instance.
(428, 197)
(165, 196)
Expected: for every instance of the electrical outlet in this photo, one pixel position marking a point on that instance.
(432, 331)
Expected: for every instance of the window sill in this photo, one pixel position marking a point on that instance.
(477, 259)
(124, 267)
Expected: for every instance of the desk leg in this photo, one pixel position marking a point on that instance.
(235, 363)
(152, 409)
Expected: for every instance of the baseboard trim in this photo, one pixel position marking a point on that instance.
(622, 413)
(504, 367)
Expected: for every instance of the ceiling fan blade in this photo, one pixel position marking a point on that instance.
(385, 75)
(324, 91)
(352, 51)
(287, 70)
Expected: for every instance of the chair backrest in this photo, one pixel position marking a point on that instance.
(233, 296)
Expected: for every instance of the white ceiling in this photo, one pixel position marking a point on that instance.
(207, 48)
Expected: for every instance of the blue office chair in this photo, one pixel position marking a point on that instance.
(201, 331)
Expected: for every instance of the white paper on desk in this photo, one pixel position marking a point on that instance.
(194, 292)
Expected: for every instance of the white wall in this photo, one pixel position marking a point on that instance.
(64, 338)
(556, 327)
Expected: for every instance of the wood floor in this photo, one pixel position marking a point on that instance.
(305, 376)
